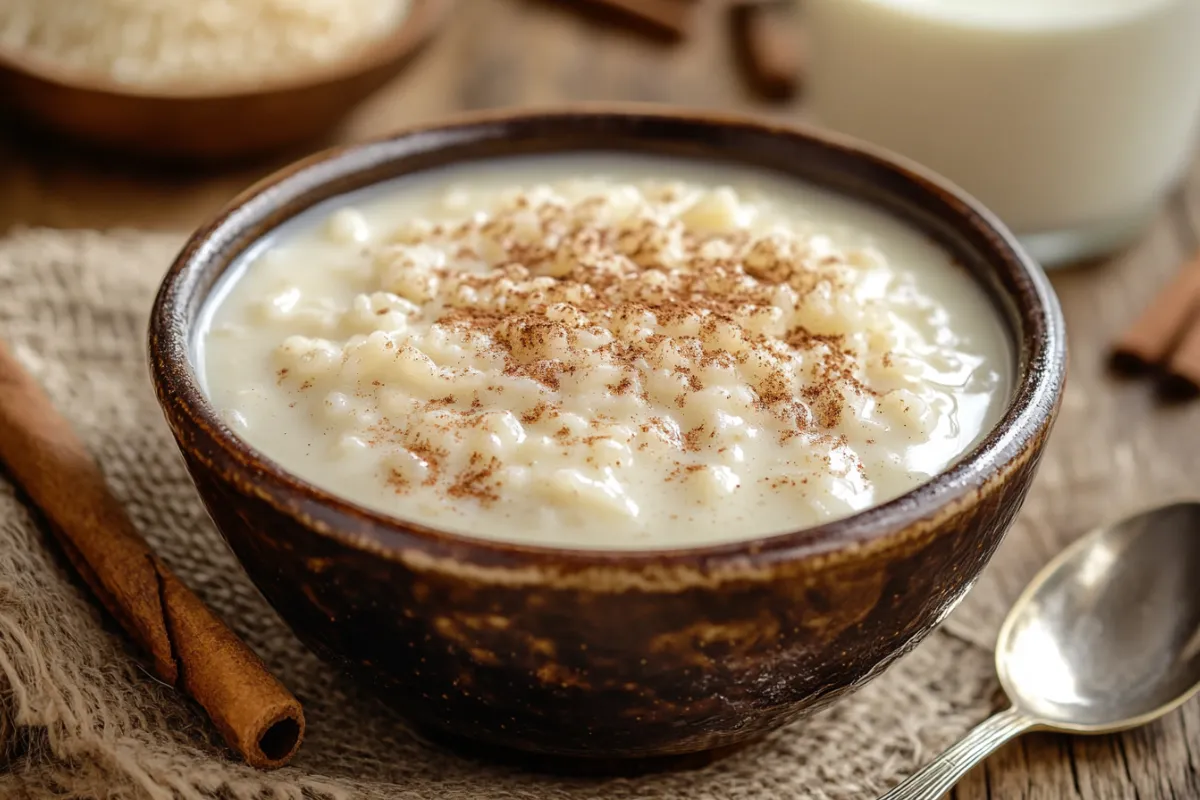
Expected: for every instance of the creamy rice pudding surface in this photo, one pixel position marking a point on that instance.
(513, 352)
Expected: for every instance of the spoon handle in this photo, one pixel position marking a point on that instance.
(939, 776)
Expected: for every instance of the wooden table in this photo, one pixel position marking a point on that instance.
(1113, 450)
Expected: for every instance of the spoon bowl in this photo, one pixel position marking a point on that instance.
(1105, 638)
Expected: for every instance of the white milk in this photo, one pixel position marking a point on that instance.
(1069, 118)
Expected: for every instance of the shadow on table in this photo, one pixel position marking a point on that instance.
(46, 180)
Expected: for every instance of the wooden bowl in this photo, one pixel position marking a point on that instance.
(210, 122)
(614, 654)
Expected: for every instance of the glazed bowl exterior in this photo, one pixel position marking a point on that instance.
(600, 653)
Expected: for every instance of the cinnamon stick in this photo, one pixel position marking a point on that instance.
(1151, 339)
(188, 646)
(670, 19)
(1182, 377)
(768, 45)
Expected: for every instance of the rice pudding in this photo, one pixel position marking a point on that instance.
(605, 351)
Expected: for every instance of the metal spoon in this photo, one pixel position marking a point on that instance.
(1105, 638)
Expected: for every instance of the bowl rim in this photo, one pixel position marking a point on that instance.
(1036, 392)
(420, 21)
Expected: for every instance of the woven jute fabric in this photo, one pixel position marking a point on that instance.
(81, 717)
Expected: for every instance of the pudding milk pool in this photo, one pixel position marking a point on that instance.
(604, 351)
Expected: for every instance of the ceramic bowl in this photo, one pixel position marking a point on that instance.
(210, 122)
(599, 653)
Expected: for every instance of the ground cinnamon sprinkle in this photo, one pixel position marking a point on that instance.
(478, 482)
(431, 455)
(398, 481)
(556, 291)
(622, 387)
(534, 414)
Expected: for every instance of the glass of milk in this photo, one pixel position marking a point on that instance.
(1070, 119)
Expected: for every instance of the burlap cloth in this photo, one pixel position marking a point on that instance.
(79, 717)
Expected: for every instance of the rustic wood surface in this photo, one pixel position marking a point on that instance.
(1115, 448)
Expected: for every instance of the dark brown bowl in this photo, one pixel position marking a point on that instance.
(207, 122)
(614, 654)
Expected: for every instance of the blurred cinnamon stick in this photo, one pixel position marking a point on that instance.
(669, 19)
(188, 646)
(769, 46)
(1153, 336)
(1182, 378)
